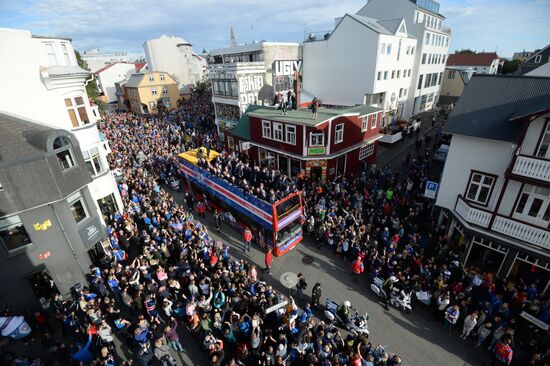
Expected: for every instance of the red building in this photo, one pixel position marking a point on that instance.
(336, 143)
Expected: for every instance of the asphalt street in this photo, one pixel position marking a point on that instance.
(417, 337)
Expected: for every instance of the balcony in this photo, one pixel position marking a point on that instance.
(532, 167)
(522, 231)
(322, 35)
(471, 214)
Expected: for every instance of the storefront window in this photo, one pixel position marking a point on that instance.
(13, 233)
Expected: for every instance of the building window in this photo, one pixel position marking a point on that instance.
(63, 152)
(317, 139)
(107, 206)
(373, 121)
(427, 39)
(277, 131)
(534, 205)
(77, 111)
(451, 74)
(364, 123)
(339, 133)
(428, 80)
(291, 134)
(366, 151)
(13, 234)
(52, 57)
(93, 161)
(393, 74)
(538, 59)
(76, 205)
(400, 92)
(66, 53)
(162, 77)
(480, 188)
(151, 77)
(388, 49)
(440, 78)
(154, 91)
(230, 142)
(412, 50)
(424, 58)
(385, 75)
(420, 81)
(379, 76)
(266, 129)
(165, 90)
(544, 149)
(398, 74)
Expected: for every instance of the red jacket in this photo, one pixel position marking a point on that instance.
(268, 258)
(357, 267)
(247, 235)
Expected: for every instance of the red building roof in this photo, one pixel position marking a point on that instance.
(473, 59)
(139, 66)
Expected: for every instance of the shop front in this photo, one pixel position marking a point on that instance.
(316, 169)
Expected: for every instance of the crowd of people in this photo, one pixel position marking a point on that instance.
(381, 220)
(167, 273)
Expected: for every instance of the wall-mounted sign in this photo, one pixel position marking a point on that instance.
(316, 150)
(245, 145)
(42, 226)
(249, 86)
(91, 233)
(284, 73)
(316, 163)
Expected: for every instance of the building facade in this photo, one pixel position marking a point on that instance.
(50, 231)
(538, 59)
(377, 68)
(425, 23)
(49, 77)
(495, 189)
(107, 77)
(336, 143)
(151, 92)
(523, 55)
(480, 63)
(97, 59)
(175, 56)
(249, 74)
(453, 84)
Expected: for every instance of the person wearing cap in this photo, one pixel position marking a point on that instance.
(387, 288)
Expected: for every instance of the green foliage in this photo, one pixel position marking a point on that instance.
(91, 86)
(510, 67)
(200, 87)
(466, 51)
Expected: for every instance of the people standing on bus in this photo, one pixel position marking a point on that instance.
(217, 220)
(315, 295)
(268, 260)
(247, 236)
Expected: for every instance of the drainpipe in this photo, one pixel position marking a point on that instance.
(68, 241)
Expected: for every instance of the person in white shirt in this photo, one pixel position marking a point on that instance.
(469, 324)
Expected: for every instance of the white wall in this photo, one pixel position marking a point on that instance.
(532, 136)
(344, 68)
(113, 74)
(471, 153)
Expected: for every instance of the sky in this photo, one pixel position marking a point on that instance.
(503, 25)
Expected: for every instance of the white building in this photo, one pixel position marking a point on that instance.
(495, 189)
(109, 75)
(46, 85)
(250, 74)
(425, 23)
(480, 63)
(376, 69)
(175, 56)
(97, 58)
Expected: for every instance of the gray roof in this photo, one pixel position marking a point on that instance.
(391, 24)
(490, 106)
(134, 80)
(15, 139)
(371, 23)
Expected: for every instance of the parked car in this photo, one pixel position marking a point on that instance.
(441, 153)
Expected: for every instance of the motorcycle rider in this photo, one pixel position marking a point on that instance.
(343, 311)
(387, 288)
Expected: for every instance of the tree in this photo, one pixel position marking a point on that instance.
(91, 86)
(200, 87)
(510, 67)
(465, 51)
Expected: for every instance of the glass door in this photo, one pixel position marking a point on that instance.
(534, 206)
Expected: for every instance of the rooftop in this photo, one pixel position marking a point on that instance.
(490, 104)
(472, 59)
(303, 116)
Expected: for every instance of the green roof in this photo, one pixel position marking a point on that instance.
(242, 129)
(304, 115)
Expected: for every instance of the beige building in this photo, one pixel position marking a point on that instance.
(147, 93)
(454, 82)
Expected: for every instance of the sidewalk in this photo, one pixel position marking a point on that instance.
(387, 153)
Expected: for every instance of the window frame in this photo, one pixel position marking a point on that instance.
(164, 90)
(77, 110)
(278, 128)
(538, 59)
(91, 157)
(266, 127)
(151, 78)
(230, 142)
(339, 133)
(364, 123)
(480, 185)
(289, 133)
(10, 226)
(374, 122)
(52, 53)
(68, 148)
(154, 91)
(77, 197)
(317, 135)
(366, 151)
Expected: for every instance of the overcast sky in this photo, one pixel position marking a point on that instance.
(502, 25)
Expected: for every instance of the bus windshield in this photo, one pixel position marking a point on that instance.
(289, 231)
(288, 206)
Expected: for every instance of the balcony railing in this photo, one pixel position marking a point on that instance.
(532, 167)
(522, 231)
(471, 214)
(317, 36)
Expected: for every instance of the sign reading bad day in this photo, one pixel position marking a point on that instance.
(249, 86)
(284, 73)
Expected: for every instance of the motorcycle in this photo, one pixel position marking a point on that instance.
(355, 324)
(398, 298)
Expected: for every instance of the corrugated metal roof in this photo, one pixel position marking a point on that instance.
(490, 102)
